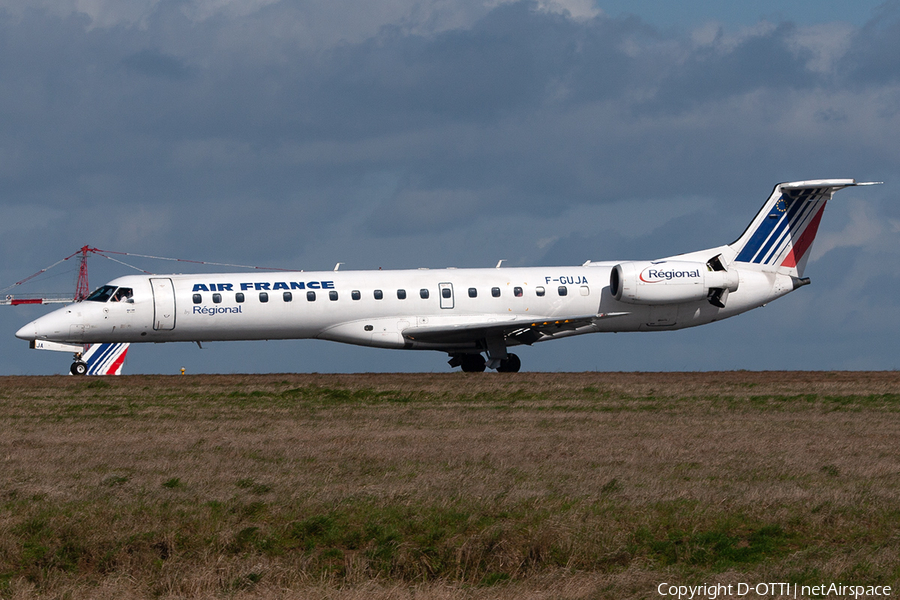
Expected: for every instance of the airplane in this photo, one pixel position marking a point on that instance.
(474, 315)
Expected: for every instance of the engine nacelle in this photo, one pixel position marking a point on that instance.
(670, 282)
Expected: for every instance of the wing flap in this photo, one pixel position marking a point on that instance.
(522, 330)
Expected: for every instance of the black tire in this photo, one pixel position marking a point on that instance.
(511, 364)
(78, 368)
(472, 363)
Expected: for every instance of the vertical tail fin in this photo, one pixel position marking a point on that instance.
(105, 359)
(782, 233)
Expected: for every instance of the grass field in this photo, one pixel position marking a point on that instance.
(450, 486)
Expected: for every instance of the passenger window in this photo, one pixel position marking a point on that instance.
(198, 298)
(401, 294)
(379, 294)
(517, 292)
(264, 296)
(539, 290)
(423, 294)
(585, 290)
(287, 296)
(446, 293)
(217, 298)
(563, 290)
(355, 295)
(495, 292)
(311, 296)
(473, 293)
(332, 295)
(239, 297)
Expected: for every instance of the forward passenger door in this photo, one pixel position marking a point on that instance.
(163, 303)
(446, 292)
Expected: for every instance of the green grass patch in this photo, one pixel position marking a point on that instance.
(722, 547)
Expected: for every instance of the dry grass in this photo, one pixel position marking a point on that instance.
(445, 486)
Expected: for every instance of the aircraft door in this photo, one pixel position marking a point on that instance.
(446, 292)
(163, 303)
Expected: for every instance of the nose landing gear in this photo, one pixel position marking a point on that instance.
(79, 367)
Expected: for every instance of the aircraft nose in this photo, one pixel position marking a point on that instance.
(55, 326)
(28, 332)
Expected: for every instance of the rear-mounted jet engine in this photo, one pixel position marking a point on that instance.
(671, 282)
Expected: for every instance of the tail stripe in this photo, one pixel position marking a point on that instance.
(807, 210)
(105, 359)
(96, 354)
(116, 367)
(805, 241)
(766, 229)
(783, 225)
(774, 236)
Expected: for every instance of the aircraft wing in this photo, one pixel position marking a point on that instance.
(522, 330)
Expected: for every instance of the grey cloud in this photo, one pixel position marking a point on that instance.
(712, 73)
(874, 54)
(156, 64)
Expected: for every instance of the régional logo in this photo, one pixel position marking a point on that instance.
(656, 275)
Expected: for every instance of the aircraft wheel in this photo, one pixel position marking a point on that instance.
(511, 364)
(78, 368)
(472, 363)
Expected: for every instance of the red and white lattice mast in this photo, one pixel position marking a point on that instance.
(82, 289)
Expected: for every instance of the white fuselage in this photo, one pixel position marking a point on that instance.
(377, 308)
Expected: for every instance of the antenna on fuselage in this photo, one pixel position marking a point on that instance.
(500, 262)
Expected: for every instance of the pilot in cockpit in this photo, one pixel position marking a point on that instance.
(123, 295)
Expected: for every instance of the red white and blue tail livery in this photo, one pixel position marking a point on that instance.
(782, 233)
(105, 359)
(474, 315)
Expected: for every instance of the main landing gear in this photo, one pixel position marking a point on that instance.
(476, 363)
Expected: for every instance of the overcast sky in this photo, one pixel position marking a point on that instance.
(432, 133)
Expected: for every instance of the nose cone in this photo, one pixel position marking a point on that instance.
(28, 332)
(54, 327)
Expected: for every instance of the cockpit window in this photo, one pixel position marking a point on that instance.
(102, 294)
(123, 294)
